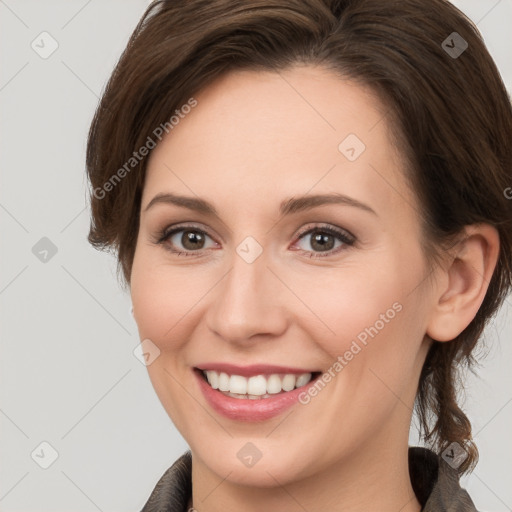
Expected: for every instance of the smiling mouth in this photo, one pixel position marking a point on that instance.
(258, 386)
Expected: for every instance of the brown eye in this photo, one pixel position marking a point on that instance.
(323, 240)
(184, 240)
(192, 240)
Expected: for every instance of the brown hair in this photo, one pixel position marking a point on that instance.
(451, 117)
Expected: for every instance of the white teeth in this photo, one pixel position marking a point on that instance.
(223, 381)
(273, 384)
(213, 379)
(238, 384)
(303, 379)
(258, 386)
(288, 382)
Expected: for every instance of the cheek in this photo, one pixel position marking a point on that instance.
(349, 304)
(378, 326)
(368, 322)
(161, 295)
(163, 303)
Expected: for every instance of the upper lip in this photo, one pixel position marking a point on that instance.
(251, 370)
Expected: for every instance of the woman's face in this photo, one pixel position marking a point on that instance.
(274, 279)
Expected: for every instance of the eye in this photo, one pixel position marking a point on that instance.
(322, 239)
(191, 240)
(185, 240)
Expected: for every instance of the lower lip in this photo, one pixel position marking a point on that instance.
(241, 409)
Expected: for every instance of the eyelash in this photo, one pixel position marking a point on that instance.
(347, 239)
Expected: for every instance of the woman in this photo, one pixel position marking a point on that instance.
(308, 200)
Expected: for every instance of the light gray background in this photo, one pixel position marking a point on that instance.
(68, 374)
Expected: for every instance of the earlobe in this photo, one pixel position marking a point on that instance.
(465, 282)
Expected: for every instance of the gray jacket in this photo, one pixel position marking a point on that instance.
(434, 481)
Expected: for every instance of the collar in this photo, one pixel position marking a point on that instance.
(435, 483)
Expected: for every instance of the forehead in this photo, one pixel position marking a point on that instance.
(255, 137)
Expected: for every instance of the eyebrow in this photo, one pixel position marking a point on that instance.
(287, 207)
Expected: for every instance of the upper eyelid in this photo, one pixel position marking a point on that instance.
(328, 227)
(180, 227)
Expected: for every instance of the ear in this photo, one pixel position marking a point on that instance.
(464, 282)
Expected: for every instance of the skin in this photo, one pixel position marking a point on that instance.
(254, 139)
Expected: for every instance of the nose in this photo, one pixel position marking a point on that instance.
(248, 301)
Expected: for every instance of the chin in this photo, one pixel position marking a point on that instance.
(240, 462)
